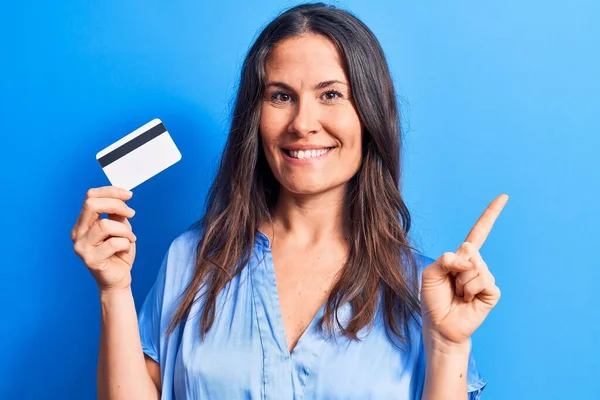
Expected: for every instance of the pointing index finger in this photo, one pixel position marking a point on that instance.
(484, 224)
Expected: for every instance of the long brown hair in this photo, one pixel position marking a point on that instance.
(380, 264)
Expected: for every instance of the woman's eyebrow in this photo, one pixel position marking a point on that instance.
(325, 84)
(318, 86)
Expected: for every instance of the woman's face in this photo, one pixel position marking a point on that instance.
(310, 130)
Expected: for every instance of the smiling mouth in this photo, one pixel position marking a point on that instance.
(301, 154)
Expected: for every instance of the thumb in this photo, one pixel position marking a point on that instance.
(120, 218)
(448, 263)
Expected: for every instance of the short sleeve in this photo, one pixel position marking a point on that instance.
(149, 318)
(162, 300)
(475, 382)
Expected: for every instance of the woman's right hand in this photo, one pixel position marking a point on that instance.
(106, 245)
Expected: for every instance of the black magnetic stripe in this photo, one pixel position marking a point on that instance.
(133, 144)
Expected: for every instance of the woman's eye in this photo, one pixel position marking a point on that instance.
(332, 95)
(280, 97)
(283, 97)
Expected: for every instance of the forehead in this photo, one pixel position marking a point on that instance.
(309, 58)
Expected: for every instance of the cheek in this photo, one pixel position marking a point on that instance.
(273, 123)
(269, 129)
(269, 146)
(349, 129)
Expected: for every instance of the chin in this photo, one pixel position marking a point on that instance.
(309, 188)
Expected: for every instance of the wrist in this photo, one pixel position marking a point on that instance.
(446, 367)
(437, 344)
(108, 294)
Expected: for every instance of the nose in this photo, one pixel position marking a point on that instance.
(305, 121)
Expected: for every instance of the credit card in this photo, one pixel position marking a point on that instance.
(139, 156)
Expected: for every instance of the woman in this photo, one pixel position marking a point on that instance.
(299, 281)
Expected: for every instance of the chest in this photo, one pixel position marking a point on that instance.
(244, 354)
(304, 282)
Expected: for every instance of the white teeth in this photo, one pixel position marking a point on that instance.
(307, 153)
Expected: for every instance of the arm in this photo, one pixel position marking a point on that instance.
(107, 246)
(446, 369)
(123, 370)
(457, 293)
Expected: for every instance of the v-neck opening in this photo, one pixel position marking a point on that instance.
(281, 333)
(285, 371)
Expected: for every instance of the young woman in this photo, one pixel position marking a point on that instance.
(299, 281)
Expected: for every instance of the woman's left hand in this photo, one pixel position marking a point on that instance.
(458, 290)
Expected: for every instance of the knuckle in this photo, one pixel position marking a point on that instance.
(104, 225)
(482, 280)
(89, 204)
(85, 258)
(485, 281)
(77, 247)
(482, 266)
(447, 258)
(80, 251)
(467, 248)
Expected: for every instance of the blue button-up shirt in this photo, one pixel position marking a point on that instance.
(245, 353)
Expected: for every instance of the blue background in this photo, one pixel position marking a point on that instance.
(497, 97)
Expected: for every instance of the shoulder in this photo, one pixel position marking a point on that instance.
(179, 260)
(421, 260)
(185, 244)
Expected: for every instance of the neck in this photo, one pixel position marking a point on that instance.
(309, 219)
